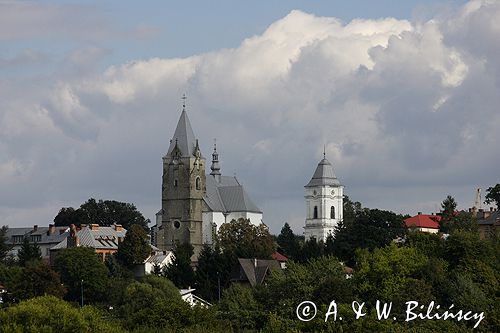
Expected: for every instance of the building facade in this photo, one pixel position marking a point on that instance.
(324, 202)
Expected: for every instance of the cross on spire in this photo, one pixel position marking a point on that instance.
(324, 151)
(183, 102)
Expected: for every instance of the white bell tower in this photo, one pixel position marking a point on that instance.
(324, 201)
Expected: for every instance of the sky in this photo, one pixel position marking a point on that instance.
(404, 96)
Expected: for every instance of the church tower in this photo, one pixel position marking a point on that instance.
(324, 201)
(183, 189)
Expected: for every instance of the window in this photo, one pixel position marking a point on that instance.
(177, 224)
(332, 212)
(36, 238)
(175, 182)
(315, 216)
(198, 183)
(18, 238)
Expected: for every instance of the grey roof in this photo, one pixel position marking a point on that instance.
(183, 136)
(46, 237)
(323, 175)
(490, 220)
(255, 270)
(227, 196)
(157, 259)
(102, 238)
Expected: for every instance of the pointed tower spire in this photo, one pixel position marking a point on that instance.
(183, 137)
(215, 164)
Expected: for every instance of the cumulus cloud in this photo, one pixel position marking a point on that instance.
(407, 111)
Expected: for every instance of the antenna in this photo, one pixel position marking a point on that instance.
(324, 151)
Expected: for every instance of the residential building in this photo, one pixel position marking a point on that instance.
(423, 223)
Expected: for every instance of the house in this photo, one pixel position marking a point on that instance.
(104, 240)
(253, 272)
(44, 237)
(160, 259)
(193, 300)
(488, 222)
(280, 258)
(423, 223)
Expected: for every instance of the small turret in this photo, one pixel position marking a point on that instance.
(215, 164)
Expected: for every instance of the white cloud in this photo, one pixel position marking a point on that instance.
(403, 108)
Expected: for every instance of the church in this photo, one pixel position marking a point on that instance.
(195, 204)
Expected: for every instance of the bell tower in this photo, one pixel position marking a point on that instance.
(183, 189)
(324, 202)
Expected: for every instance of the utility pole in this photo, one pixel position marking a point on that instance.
(82, 291)
(218, 282)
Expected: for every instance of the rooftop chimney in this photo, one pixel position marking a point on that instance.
(118, 227)
(52, 229)
(94, 226)
(419, 213)
(35, 227)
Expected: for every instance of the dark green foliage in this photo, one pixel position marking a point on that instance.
(105, 213)
(448, 208)
(28, 253)
(370, 229)
(311, 249)
(82, 263)
(493, 195)
(37, 279)
(213, 266)
(50, 314)
(180, 271)
(239, 305)
(4, 247)
(288, 242)
(242, 239)
(135, 248)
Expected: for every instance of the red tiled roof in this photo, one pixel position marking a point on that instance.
(279, 257)
(423, 221)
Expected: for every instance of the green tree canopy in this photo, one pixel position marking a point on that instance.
(448, 208)
(180, 271)
(493, 195)
(102, 212)
(29, 252)
(370, 229)
(288, 242)
(38, 279)
(245, 240)
(4, 247)
(50, 314)
(135, 247)
(213, 266)
(82, 263)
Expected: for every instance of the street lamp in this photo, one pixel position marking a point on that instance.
(82, 291)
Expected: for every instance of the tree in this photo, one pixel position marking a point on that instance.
(180, 271)
(371, 228)
(244, 240)
(493, 195)
(81, 265)
(214, 266)
(135, 247)
(50, 314)
(4, 247)
(105, 213)
(448, 207)
(288, 242)
(240, 305)
(28, 252)
(38, 280)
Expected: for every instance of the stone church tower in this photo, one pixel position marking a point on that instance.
(183, 189)
(324, 201)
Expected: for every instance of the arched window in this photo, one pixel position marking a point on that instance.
(332, 212)
(315, 215)
(175, 182)
(198, 183)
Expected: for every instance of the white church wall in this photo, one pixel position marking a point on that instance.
(255, 218)
(208, 231)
